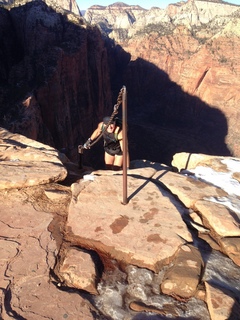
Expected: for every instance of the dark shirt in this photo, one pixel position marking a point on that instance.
(111, 143)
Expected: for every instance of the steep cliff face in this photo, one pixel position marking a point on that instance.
(118, 16)
(59, 76)
(54, 64)
(183, 77)
(121, 21)
(57, 5)
(208, 71)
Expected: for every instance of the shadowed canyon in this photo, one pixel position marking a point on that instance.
(69, 248)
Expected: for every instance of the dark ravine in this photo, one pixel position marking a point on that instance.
(57, 89)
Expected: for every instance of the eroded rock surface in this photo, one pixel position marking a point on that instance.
(64, 245)
(28, 250)
(98, 219)
(180, 67)
(28, 253)
(25, 162)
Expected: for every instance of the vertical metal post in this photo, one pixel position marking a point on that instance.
(80, 156)
(125, 144)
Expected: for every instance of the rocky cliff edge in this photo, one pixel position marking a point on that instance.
(174, 246)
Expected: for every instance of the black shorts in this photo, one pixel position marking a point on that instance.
(113, 152)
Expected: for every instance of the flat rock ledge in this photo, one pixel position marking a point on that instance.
(25, 162)
(147, 232)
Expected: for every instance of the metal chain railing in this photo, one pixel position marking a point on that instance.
(115, 111)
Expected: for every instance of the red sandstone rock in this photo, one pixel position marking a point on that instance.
(27, 162)
(187, 263)
(221, 305)
(77, 270)
(147, 232)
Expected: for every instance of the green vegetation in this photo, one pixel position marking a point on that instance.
(223, 59)
(161, 29)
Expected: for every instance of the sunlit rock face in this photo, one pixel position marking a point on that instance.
(121, 21)
(60, 5)
(183, 77)
(115, 16)
(114, 224)
(173, 250)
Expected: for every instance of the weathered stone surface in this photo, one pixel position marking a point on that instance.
(221, 304)
(215, 200)
(56, 195)
(60, 6)
(27, 254)
(108, 226)
(37, 298)
(188, 161)
(117, 15)
(78, 270)
(218, 218)
(28, 249)
(187, 189)
(187, 263)
(192, 48)
(231, 246)
(8, 250)
(187, 52)
(133, 19)
(47, 103)
(25, 162)
(150, 231)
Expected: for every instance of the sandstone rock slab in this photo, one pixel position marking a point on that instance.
(187, 161)
(36, 298)
(221, 304)
(231, 246)
(211, 191)
(25, 162)
(27, 254)
(187, 189)
(146, 232)
(218, 218)
(182, 279)
(77, 270)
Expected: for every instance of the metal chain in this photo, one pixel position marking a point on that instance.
(115, 111)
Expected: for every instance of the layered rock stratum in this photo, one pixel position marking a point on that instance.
(71, 249)
(60, 75)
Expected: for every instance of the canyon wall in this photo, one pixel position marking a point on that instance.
(57, 5)
(61, 73)
(54, 75)
(183, 75)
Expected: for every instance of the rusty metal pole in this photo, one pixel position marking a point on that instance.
(125, 144)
